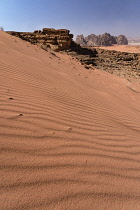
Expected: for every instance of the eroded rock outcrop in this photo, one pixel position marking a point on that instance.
(101, 40)
(122, 64)
(121, 40)
(80, 39)
(47, 38)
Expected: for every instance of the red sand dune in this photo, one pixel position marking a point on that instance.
(69, 137)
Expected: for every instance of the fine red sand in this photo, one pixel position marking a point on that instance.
(69, 137)
(123, 48)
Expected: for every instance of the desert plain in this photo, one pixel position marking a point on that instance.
(123, 48)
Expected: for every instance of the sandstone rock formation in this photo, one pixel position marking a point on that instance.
(91, 40)
(121, 40)
(80, 39)
(47, 38)
(122, 64)
(101, 40)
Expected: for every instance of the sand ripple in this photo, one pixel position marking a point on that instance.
(70, 137)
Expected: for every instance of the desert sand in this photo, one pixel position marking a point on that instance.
(123, 48)
(69, 137)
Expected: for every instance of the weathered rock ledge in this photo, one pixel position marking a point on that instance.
(122, 64)
(47, 38)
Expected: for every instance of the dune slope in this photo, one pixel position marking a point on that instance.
(69, 137)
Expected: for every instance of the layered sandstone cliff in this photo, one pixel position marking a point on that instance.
(47, 38)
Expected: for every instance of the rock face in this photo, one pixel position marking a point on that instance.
(92, 40)
(101, 40)
(121, 40)
(122, 64)
(81, 40)
(47, 38)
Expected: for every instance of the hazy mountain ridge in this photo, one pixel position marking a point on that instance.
(134, 40)
(101, 40)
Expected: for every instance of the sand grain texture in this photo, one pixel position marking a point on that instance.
(69, 137)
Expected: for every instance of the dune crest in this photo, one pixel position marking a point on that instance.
(70, 137)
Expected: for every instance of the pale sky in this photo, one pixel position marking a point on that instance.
(79, 16)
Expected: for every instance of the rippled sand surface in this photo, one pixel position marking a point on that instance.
(69, 137)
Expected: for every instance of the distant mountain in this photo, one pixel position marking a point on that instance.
(101, 40)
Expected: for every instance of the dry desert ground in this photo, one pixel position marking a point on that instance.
(123, 48)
